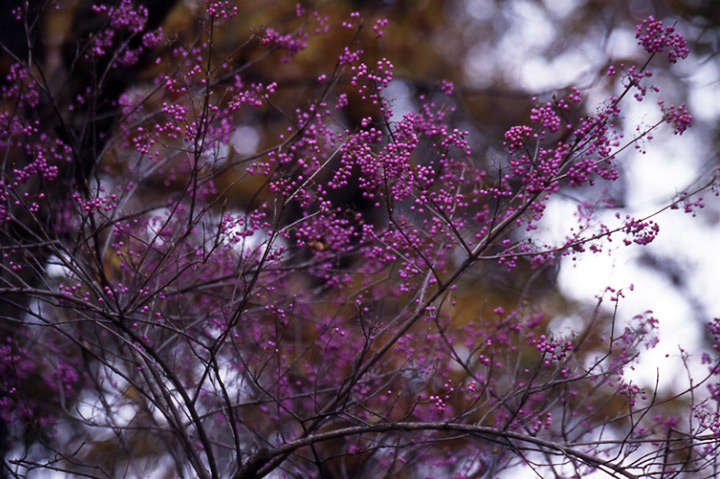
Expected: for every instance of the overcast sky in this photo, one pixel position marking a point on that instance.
(671, 164)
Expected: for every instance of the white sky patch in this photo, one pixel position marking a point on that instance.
(480, 67)
(530, 33)
(532, 27)
(704, 101)
(55, 268)
(401, 101)
(539, 74)
(245, 140)
(159, 220)
(670, 165)
(588, 277)
(243, 244)
(215, 153)
(523, 58)
(706, 267)
(481, 9)
(36, 452)
(560, 8)
(88, 404)
(622, 44)
(120, 397)
(232, 378)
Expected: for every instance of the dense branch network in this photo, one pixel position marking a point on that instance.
(295, 310)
